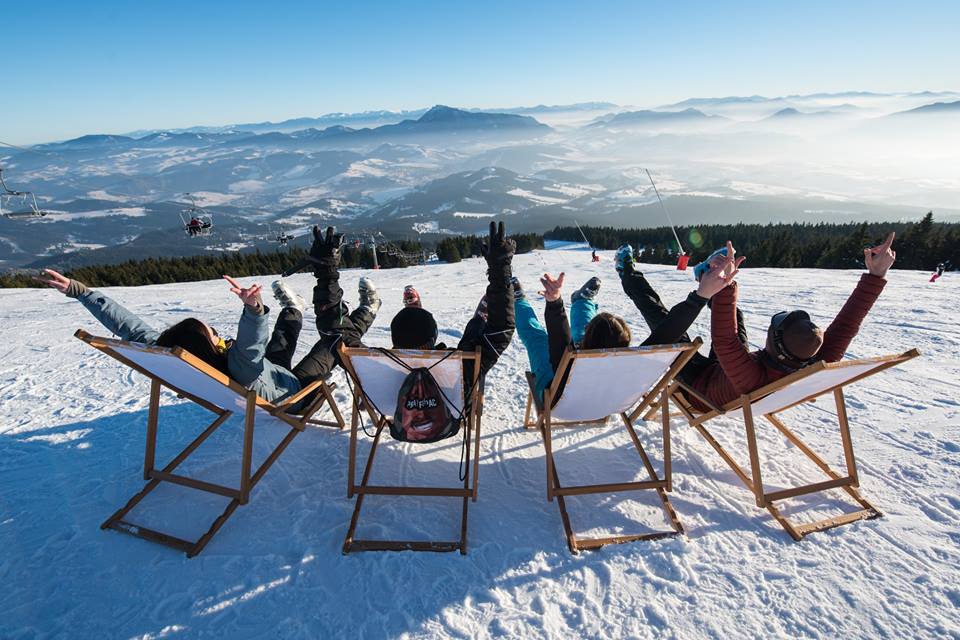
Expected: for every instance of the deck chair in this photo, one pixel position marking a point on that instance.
(191, 378)
(376, 384)
(805, 385)
(601, 383)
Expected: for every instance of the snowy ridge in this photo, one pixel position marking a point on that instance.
(71, 445)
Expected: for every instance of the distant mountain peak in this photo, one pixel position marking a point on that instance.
(936, 107)
(442, 112)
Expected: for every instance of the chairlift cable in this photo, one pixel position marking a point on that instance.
(665, 212)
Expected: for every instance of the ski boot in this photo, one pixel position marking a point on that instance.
(588, 291)
(624, 261)
(287, 297)
(517, 289)
(369, 297)
(411, 298)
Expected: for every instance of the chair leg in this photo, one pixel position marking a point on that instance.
(153, 416)
(333, 407)
(352, 451)
(247, 458)
(757, 480)
(667, 455)
(348, 540)
(845, 436)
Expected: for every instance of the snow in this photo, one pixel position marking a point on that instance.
(71, 446)
(469, 214)
(62, 216)
(534, 197)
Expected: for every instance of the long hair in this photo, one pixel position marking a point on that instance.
(606, 331)
(192, 335)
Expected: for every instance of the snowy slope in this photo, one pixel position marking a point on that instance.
(71, 446)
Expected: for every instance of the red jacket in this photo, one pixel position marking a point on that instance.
(738, 371)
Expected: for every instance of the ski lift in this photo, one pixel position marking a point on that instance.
(28, 200)
(683, 258)
(282, 238)
(195, 219)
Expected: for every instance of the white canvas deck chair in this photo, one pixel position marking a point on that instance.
(191, 378)
(805, 385)
(602, 383)
(377, 379)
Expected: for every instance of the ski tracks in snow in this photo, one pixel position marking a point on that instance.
(71, 445)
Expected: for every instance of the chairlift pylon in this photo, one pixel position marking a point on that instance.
(196, 220)
(26, 197)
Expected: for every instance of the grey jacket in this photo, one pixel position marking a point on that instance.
(245, 359)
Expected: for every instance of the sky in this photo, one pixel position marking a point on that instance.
(75, 68)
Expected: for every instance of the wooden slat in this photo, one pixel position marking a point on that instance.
(193, 483)
(829, 523)
(612, 487)
(809, 488)
(390, 490)
(402, 545)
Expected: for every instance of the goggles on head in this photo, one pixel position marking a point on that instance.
(221, 346)
(778, 324)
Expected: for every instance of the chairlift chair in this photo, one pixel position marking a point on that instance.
(196, 220)
(26, 197)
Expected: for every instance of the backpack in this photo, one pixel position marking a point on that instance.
(422, 413)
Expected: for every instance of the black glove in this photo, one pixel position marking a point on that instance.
(325, 251)
(498, 250)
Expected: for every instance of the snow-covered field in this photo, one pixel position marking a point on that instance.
(71, 445)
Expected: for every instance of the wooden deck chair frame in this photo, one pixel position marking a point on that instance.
(380, 421)
(321, 391)
(539, 416)
(849, 483)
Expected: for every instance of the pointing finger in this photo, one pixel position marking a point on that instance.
(232, 281)
(889, 241)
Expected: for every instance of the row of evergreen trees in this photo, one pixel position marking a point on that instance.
(455, 248)
(920, 245)
(210, 267)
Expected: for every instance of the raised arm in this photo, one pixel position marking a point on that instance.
(120, 321)
(743, 371)
(327, 294)
(245, 356)
(559, 336)
(496, 335)
(846, 325)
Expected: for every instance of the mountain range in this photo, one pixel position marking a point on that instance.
(444, 170)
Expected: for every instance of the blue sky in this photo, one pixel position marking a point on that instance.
(73, 68)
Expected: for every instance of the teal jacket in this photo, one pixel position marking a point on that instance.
(245, 359)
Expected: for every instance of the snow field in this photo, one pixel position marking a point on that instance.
(71, 444)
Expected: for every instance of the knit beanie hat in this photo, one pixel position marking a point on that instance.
(413, 328)
(802, 337)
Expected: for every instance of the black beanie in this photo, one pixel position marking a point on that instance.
(413, 328)
(802, 337)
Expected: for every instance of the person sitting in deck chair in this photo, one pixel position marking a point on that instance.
(793, 339)
(256, 359)
(492, 325)
(593, 330)
(413, 327)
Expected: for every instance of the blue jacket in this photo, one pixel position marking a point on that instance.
(245, 359)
